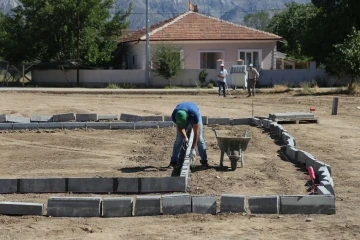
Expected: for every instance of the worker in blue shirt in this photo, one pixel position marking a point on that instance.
(184, 115)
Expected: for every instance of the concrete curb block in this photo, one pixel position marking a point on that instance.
(328, 186)
(73, 125)
(15, 119)
(163, 184)
(50, 125)
(291, 153)
(232, 203)
(307, 204)
(6, 126)
(122, 125)
(204, 204)
(64, 117)
(152, 118)
(20, 208)
(257, 122)
(8, 186)
(166, 124)
(98, 125)
(205, 120)
(220, 121)
(130, 118)
(176, 204)
(74, 207)
(321, 190)
(30, 126)
(303, 156)
(264, 204)
(126, 185)
(147, 206)
(87, 117)
(146, 125)
(37, 118)
(117, 207)
(48, 185)
(241, 121)
(108, 117)
(90, 185)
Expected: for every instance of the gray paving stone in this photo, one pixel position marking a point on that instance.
(42, 185)
(291, 153)
(176, 204)
(73, 125)
(307, 204)
(205, 120)
(163, 184)
(37, 118)
(264, 204)
(19, 126)
(204, 204)
(90, 185)
(146, 125)
(98, 125)
(117, 207)
(64, 117)
(122, 125)
(8, 186)
(152, 118)
(108, 117)
(17, 119)
(74, 207)
(126, 185)
(21, 208)
(50, 125)
(321, 190)
(232, 203)
(220, 121)
(147, 206)
(87, 117)
(241, 121)
(6, 126)
(166, 124)
(130, 118)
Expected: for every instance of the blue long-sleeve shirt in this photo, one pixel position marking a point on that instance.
(192, 110)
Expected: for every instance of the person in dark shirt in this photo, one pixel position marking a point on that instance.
(184, 115)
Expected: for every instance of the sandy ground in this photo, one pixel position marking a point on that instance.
(146, 153)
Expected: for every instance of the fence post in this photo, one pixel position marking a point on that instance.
(335, 105)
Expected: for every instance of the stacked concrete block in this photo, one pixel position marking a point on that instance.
(220, 121)
(146, 125)
(108, 117)
(22, 126)
(232, 203)
(20, 208)
(90, 185)
(176, 204)
(37, 118)
(50, 125)
(64, 117)
(166, 124)
(291, 153)
(264, 204)
(117, 207)
(152, 118)
(163, 184)
(147, 206)
(98, 125)
(87, 117)
(126, 185)
(291, 115)
(42, 185)
(73, 125)
(8, 186)
(6, 126)
(241, 121)
(122, 125)
(307, 204)
(204, 204)
(74, 207)
(130, 118)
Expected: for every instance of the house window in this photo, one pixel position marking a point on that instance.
(253, 56)
(208, 60)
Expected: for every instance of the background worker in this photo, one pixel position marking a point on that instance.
(184, 115)
(222, 74)
(253, 77)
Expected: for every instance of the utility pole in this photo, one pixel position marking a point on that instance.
(78, 44)
(147, 64)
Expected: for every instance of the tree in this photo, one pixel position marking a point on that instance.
(53, 30)
(258, 20)
(167, 61)
(345, 58)
(293, 25)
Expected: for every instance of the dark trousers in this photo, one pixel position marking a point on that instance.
(223, 85)
(251, 86)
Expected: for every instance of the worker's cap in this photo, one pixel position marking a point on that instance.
(180, 118)
(222, 65)
(250, 65)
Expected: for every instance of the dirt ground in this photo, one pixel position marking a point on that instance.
(63, 153)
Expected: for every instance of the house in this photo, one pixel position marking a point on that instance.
(204, 40)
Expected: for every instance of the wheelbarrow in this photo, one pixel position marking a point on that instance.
(234, 148)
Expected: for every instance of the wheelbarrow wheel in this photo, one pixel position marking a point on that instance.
(234, 164)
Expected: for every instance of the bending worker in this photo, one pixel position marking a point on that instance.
(184, 115)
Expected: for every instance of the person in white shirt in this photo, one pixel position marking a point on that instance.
(222, 79)
(253, 76)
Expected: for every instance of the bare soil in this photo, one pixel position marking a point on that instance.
(126, 153)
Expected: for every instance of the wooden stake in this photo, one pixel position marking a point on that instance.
(335, 105)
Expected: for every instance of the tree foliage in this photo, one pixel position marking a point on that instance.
(345, 57)
(167, 61)
(48, 30)
(258, 20)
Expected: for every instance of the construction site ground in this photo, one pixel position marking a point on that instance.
(146, 153)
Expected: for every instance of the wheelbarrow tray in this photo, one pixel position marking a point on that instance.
(233, 143)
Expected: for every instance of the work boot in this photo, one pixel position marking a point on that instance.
(172, 164)
(204, 164)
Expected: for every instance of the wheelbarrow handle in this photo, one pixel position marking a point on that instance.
(246, 132)
(215, 132)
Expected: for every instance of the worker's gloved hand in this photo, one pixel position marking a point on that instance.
(186, 142)
(192, 154)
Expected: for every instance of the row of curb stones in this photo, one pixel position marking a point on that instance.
(171, 205)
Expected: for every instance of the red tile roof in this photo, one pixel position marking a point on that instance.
(194, 26)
